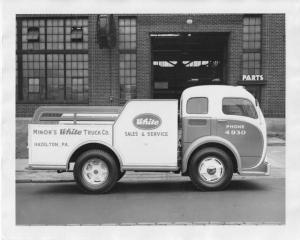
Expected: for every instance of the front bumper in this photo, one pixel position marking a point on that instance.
(262, 170)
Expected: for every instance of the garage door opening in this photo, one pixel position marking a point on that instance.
(182, 60)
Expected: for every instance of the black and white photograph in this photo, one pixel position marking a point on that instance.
(125, 119)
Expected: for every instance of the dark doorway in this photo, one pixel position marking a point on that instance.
(182, 60)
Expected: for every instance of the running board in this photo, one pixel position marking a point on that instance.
(45, 167)
(150, 168)
(263, 170)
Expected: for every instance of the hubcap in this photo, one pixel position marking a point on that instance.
(95, 171)
(211, 169)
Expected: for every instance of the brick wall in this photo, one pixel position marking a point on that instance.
(104, 84)
(273, 65)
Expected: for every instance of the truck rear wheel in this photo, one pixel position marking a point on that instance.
(96, 171)
(210, 169)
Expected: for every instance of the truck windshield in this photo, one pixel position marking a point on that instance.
(238, 106)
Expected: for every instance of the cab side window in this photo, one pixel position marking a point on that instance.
(239, 107)
(197, 105)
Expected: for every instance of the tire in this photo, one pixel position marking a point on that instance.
(121, 174)
(210, 169)
(96, 171)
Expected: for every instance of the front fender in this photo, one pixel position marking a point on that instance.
(209, 139)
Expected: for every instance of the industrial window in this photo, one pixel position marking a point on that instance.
(239, 107)
(252, 32)
(55, 34)
(197, 105)
(127, 33)
(127, 58)
(128, 75)
(55, 76)
(251, 45)
(33, 34)
(33, 75)
(34, 85)
(56, 68)
(76, 34)
(251, 63)
(77, 85)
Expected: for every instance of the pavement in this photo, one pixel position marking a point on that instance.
(161, 202)
(275, 156)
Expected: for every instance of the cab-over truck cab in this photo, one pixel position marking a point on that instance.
(222, 132)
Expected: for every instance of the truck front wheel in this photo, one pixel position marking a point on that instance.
(96, 171)
(210, 169)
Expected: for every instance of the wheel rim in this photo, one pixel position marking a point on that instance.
(211, 169)
(95, 171)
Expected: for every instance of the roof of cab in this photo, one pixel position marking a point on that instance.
(216, 90)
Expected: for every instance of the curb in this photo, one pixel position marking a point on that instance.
(136, 179)
(42, 181)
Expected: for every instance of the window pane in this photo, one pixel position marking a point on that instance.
(55, 69)
(77, 73)
(252, 26)
(197, 106)
(33, 85)
(239, 107)
(55, 34)
(252, 43)
(76, 33)
(32, 34)
(127, 34)
(127, 73)
(33, 76)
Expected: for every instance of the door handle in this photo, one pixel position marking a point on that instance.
(222, 120)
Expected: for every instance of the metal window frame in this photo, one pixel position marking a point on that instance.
(34, 84)
(76, 39)
(127, 51)
(33, 29)
(20, 52)
(259, 50)
(252, 49)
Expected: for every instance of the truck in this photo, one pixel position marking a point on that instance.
(215, 132)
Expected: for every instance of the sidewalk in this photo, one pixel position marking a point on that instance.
(275, 155)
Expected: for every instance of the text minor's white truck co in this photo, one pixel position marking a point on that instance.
(223, 132)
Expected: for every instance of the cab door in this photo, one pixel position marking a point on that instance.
(241, 123)
(196, 123)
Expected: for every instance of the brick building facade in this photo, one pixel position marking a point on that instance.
(60, 61)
